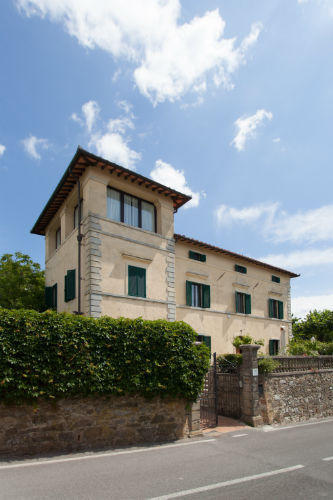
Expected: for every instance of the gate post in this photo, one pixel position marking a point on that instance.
(193, 419)
(249, 395)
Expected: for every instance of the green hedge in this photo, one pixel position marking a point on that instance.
(55, 355)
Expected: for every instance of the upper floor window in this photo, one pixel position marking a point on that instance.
(275, 308)
(243, 303)
(197, 294)
(197, 256)
(240, 269)
(276, 279)
(58, 238)
(126, 208)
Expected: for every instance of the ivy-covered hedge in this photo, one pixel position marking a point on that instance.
(53, 355)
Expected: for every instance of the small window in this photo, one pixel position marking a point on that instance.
(197, 294)
(205, 339)
(243, 303)
(276, 279)
(51, 296)
(58, 237)
(240, 269)
(70, 285)
(196, 256)
(136, 281)
(76, 215)
(275, 308)
(274, 347)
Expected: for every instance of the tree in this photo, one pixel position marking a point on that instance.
(22, 283)
(317, 324)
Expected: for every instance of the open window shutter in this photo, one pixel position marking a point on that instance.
(271, 348)
(270, 308)
(49, 296)
(280, 306)
(55, 296)
(188, 293)
(205, 296)
(66, 288)
(208, 341)
(203, 257)
(71, 284)
(132, 281)
(141, 282)
(247, 304)
(237, 298)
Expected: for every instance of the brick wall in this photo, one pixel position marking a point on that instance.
(296, 396)
(90, 423)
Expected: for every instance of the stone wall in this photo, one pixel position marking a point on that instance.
(296, 396)
(90, 423)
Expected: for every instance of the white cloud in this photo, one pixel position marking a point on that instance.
(304, 226)
(32, 146)
(169, 58)
(300, 306)
(227, 215)
(247, 126)
(166, 174)
(114, 147)
(2, 149)
(90, 112)
(300, 258)
(277, 139)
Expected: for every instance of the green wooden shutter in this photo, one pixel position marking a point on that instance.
(49, 296)
(66, 288)
(202, 257)
(188, 293)
(132, 281)
(247, 304)
(271, 347)
(237, 301)
(71, 284)
(205, 296)
(141, 282)
(207, 341)
(55, 296)
(280, 309)
(270, 308)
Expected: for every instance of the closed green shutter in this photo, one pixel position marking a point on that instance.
(270, 308)
(205, 296)
(188, 293)
(208, 341)
(280, 308)
(271, 347)
(202, 257)
(136, 281)
(237, 300)
(247, 304)
(49, 296)
(55, 296)
(70, 285)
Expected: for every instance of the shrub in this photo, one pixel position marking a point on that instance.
(229, 363)
(298, 347)
(267, 365)
(246, 339)
(55, 355)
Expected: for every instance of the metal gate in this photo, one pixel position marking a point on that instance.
(229, 395)
(208, 398)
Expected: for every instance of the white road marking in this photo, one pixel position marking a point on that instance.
(239, 435)
(268, 428)
(227, 483)
(327, 459)
(101, 455)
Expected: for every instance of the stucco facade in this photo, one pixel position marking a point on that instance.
(109, 247)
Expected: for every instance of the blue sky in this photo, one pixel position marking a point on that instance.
(228, 101)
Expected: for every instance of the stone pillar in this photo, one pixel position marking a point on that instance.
(250, 410)
(193, 419)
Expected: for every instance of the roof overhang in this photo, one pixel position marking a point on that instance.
(80, 162)
(207, 246)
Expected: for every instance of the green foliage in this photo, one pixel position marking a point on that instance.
(267, 365)
(229, 363)
(54, 355)
(245, 339)
(317, 324)
(299, 347)
(22, 283)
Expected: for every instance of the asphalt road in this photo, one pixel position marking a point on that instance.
(285, 463)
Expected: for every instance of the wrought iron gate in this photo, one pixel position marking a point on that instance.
(208, 398)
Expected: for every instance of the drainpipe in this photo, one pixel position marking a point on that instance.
(79, 240)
